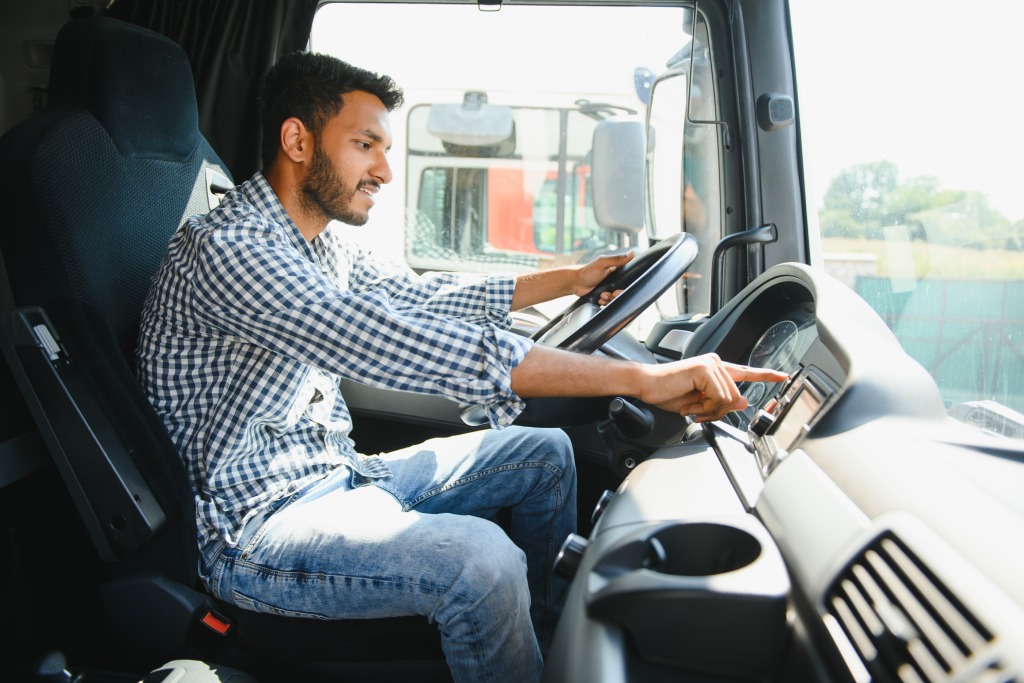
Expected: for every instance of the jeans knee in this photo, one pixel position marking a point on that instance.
(562, 452)
(485, 620)
(493, 568)
(552, 446)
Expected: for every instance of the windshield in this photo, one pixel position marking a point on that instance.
(909, 119)
(492, 153)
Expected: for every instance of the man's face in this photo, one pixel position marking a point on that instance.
(349, 161)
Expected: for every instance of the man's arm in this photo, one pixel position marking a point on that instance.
(545, 285)
(704, 386)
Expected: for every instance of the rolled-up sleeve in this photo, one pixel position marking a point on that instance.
(471, 297)
(440, 336)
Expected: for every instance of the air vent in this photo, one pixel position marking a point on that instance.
(893, 621)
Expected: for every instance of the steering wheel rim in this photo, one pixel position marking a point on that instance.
(642, 280)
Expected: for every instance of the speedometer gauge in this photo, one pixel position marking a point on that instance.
(776, 349)
(781, 347)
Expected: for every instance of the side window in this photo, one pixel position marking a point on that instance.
(702, 169)
(684, 165)
(917, 195)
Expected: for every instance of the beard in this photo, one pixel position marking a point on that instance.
(324, 192)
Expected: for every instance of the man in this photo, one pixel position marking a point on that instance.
(259, 308)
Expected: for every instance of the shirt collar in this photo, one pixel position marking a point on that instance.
(262, 196)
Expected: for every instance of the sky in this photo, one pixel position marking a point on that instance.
(943, 98)
(471, 45)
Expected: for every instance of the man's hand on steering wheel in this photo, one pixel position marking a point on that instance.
(595, 272)
(629, 286)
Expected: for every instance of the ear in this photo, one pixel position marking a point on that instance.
(296, 141)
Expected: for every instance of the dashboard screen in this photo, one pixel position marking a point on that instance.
(792, 422)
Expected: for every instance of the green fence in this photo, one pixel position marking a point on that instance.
(968, 333)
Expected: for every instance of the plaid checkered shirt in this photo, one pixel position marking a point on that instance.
(248, 328)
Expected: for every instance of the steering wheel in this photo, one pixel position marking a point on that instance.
(584, 326)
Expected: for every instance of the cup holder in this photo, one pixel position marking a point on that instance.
(703, 549)
(707, 596)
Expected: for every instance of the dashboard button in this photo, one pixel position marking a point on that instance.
(762, 422)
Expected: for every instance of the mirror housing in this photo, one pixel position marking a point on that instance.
(474, 123)
(643, 81)
(617, 174)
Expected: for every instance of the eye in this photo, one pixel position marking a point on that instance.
(363, 145)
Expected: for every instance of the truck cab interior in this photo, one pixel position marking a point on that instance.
(860, 521)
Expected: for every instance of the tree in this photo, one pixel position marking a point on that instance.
(866, 198)
(860, 190)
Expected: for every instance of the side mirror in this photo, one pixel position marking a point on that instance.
(617, 173)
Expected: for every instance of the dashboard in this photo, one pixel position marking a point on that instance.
(842, 528)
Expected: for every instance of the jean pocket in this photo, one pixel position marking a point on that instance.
(254, 605)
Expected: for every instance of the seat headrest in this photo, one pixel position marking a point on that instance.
(136, 82)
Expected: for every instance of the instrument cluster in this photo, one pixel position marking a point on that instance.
(780, 347)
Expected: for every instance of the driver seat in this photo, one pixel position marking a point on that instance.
(93, 187)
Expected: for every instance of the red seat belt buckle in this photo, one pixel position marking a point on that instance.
(216, 622)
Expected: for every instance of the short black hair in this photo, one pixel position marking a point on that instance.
(309, 86)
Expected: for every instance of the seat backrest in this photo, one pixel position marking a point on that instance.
(117, 162)
(93, 187)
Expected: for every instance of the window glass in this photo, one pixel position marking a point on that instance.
(500, 187)
(684, 166)
(492, 149)
(909, 118)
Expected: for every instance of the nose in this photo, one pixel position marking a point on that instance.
(382, 169)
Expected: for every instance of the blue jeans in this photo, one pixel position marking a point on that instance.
(421, 542)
